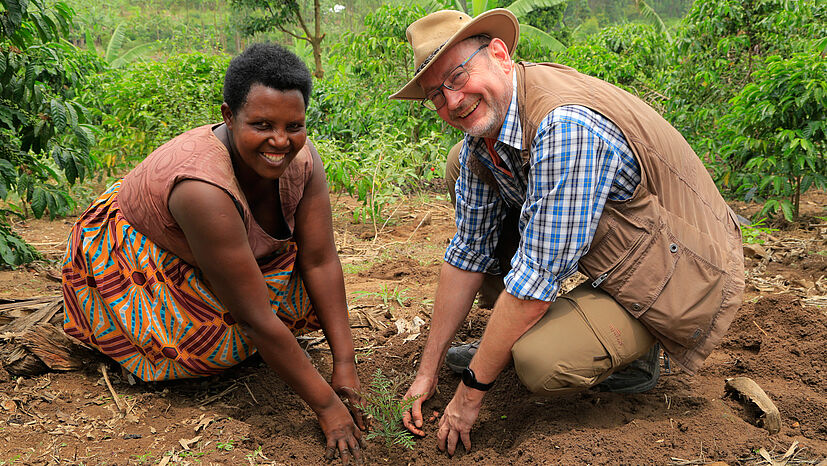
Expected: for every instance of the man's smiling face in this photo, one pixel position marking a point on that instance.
(479, 107)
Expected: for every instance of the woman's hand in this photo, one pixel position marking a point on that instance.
(342, 435)
(345, 383)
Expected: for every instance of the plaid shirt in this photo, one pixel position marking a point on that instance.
(578, 160)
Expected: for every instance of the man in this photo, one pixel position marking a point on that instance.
(601, 183)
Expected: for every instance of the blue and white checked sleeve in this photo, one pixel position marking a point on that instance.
(479, 214)
(575, 157)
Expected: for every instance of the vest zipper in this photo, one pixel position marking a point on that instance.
(600, 279)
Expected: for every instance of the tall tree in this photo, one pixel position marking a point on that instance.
(287, 17)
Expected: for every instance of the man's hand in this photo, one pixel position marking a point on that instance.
(345, 382)
(423, 387)
(458, 418)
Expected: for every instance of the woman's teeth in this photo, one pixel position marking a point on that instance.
(275, 157)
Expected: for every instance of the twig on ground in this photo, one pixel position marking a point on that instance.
(389, 219)
(761, 329)
(366, 348)
(311, 341)
(220, 395)
(427, 216)
(118, 401)
(249, 391)
(683, 462)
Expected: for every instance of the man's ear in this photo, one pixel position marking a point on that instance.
(499, 54)
(227, 114)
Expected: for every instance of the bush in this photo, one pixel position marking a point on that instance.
(144, 105)
(777, 129)
(45, 140)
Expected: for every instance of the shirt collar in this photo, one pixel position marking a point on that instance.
(512, 133)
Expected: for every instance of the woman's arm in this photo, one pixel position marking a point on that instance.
(321, 271)
(217, 237)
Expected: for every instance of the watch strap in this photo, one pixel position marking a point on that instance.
(470, 380)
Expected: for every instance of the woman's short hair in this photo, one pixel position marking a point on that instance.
(269, 65)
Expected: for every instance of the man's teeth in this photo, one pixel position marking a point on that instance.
(471, 109)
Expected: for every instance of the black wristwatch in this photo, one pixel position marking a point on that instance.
(470, 380)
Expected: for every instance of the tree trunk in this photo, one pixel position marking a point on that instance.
(32, 340)
(317, 58)
(316, 40)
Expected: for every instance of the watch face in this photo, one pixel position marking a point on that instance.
(468, 377)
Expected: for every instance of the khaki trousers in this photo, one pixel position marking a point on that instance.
(583, 338)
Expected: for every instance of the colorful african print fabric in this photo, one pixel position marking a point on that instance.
(152, 312)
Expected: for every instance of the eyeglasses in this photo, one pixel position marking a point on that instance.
(458, 77)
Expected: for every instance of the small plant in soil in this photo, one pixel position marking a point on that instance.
(385, 409)
(388, 295)
(752, 234)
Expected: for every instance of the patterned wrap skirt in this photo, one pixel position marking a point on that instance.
(152, 312)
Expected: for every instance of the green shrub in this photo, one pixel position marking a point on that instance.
(777, 129)
(45, 139)
(144, 105)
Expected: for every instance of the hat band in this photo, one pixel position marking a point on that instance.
(428, 59)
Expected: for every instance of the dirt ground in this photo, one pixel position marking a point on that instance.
(249, 416)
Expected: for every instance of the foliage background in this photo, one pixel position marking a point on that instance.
(87, 89)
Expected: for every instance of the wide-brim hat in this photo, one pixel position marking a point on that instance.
(432, 35)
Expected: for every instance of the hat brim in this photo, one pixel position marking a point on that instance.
(499, 23)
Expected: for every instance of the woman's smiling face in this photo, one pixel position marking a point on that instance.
(268, 130)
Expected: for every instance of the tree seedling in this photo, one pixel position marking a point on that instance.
(385, 409)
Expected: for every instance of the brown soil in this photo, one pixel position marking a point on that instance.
(249, 416)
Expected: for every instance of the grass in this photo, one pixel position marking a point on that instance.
(356, 268)
(387, 295)
(146, 458)
(226, 446)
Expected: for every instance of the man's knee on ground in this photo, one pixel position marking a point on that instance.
(556, 372)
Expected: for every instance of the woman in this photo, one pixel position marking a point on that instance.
(216, 245)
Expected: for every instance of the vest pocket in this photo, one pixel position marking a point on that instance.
(641, 279)
(682, 308)
(669, 288)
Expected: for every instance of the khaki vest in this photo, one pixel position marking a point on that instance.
(671, 254)
(199, 155)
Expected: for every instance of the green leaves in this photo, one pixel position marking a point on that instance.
(50, 198)
(39, 116)
(164, 100)
(385, 409)
(13, 16)
(13, 250)
(777, 131)
(58, 112)
(523, 7)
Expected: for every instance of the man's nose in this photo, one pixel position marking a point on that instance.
(452, 98)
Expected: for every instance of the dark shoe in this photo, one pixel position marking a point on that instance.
(459, 357)
(641, 375)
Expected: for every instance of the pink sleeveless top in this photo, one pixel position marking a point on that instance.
(199, 155)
